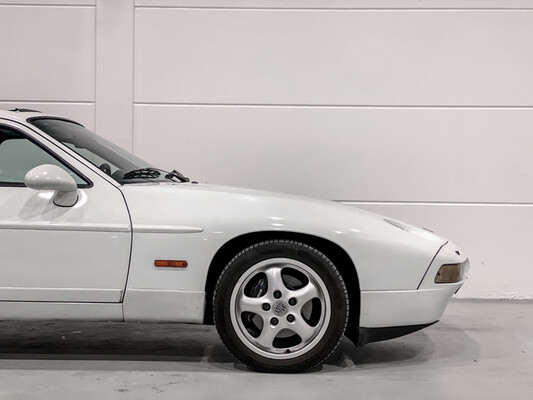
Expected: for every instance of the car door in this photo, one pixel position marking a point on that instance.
(50, 253)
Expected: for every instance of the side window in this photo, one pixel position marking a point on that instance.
(18, 155)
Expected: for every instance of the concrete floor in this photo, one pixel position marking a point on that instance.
(479, 350)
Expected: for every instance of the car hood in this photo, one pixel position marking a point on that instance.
(221, 213)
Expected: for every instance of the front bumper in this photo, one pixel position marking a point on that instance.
(387, 314)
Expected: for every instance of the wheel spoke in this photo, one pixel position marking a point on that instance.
(251, 304)
(267, 336)
(303, 329)
(274, 279)
(303, 295)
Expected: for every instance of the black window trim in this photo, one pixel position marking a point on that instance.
(88, 183)
(31, 119)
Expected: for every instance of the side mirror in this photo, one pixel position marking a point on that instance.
(52, 177)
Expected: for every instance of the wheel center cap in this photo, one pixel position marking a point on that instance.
(280, 308)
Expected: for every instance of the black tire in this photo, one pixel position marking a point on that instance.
(242, 282)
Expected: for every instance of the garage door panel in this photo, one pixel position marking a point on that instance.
(47, 53)
(335, 57)
(375, 154)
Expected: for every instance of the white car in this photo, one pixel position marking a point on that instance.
(89, 231)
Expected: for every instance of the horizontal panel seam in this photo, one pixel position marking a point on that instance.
(66, 5)
(435, 203)
(66, 302)
(132, 289)
(163, 7)
(63, 228)
(93, 290)
(48, 102)
(140, 228)
(361, 106)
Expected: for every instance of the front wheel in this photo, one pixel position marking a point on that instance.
(280, 306)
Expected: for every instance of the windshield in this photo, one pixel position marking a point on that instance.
(113, 160)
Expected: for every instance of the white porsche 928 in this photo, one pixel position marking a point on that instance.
(89, 231)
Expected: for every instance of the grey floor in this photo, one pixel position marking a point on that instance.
(479, 350)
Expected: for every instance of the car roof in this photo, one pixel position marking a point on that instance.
(21, 114)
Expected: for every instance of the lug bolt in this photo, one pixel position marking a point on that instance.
(266, 306)
(290, 318)
(277, 294)
(274, 321)
(292, 301)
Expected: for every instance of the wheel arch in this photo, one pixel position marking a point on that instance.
(333, 251)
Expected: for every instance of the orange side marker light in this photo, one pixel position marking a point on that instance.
(171, 263)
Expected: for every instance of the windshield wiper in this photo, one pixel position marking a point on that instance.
(178, 175)
(153, 173)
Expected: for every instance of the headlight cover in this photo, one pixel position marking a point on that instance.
(450, 273)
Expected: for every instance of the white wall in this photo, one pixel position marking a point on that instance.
(418, 109)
